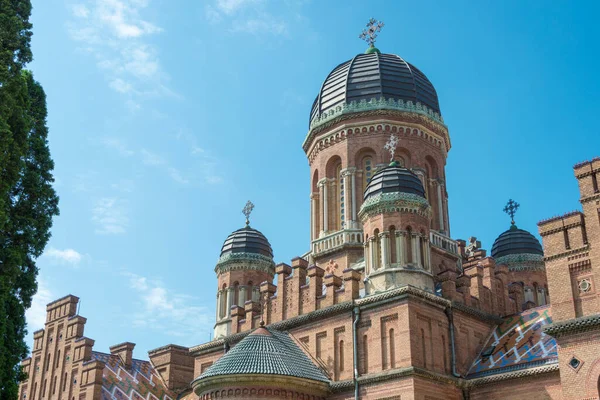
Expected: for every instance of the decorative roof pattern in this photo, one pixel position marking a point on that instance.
(517, 343)
(394, 179)
(140, 382)
(374, 76)
(266, 352)
(516, 241)
(247, 240)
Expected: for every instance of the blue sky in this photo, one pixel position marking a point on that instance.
(166, 116)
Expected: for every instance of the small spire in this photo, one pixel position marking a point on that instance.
(369, 35)
(247, 210)
(511, 209)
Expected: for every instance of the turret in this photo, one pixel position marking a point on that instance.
(396, 218)
(245, 262)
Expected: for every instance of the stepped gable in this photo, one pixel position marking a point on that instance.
(141, 381)
(517, 343)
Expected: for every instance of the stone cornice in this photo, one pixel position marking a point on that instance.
(524, 373)
(248, 261)
(394, 202)
(410, 125)
(590, 198)
(573, 326)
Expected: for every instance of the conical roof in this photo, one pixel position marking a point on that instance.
(266, 352)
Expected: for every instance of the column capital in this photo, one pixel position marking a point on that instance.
(348, 171)
(322, 182)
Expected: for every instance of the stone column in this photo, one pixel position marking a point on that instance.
(325, 207)
(353, 180)
(440, 207)
(413, 245)
(400, 250)
(219, 299)
(385, 249)
(256, 293)
(229, 301)
(427, 254)
(367, 258)
(242, 296)
(313, 214)
(348, 200)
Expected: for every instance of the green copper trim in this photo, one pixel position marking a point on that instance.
(375, 104)
(394, 202)
(372, 49)
(523, 262)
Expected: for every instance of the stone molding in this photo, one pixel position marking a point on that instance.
(394, 202)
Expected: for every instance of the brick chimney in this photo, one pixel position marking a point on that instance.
(125, 351)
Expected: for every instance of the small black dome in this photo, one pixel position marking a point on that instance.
(247, 240)
(394, 178)
(374, 75)
(516, 241)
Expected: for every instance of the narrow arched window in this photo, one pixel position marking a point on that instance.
(393, 255)
(392, 347)
(249, 291)
(341, 355)
(423, 348)
(368, 170)
(365, 351)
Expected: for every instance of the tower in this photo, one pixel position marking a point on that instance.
(396, 216)
(523, 254)
(360, 104)
(245, 262)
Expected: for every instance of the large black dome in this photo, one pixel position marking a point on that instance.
(516, 241)
(247, 240)
(394, 178)
(374, 75)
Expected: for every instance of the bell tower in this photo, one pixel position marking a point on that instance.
(361, 103)
(245, 262)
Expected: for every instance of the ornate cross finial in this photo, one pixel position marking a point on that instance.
(511, 209)
(390, 145)
(369, 35)
(247, 211)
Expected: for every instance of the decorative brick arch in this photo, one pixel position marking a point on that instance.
(592, 381)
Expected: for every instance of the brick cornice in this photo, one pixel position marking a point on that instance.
(587, 199)
(567, 253)
(573, 326)
(524, 373)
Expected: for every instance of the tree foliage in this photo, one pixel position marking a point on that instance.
(27, 200)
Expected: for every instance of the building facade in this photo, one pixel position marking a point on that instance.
(385, 305)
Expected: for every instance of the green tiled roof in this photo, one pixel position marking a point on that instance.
(266, 352)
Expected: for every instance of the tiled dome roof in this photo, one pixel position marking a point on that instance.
(374, 75)
(247, 240)
(266, 352)
(516, 241)
(394, 178)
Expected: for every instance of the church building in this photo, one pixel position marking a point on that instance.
(386, 304)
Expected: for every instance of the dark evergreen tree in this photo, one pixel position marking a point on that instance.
(27, 200)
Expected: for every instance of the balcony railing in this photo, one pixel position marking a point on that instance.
(337, 240)
(443, 242)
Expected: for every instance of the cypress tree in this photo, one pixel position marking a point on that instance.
(27, 200)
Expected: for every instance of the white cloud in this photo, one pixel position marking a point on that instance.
(260, 26)
(177, 177)
(110, 215)
(232, 6)
(245, 16)
(80, 10)
(117, 35)
(150, 158)
(66, 256)
(36, 315)
(162, 309)
(118, 145)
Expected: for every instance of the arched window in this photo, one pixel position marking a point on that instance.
(236, 294)
(341, 355)
(424, 349)
(365, 349)
(392, 347)
(249, 291)
(65, 382)
(341, 198)
(368, 168)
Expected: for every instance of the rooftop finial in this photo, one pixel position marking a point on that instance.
(247, 211)
(369, 35)
(391, 145)
(511, 209)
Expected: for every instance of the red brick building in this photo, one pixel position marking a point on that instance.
(385, 305)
